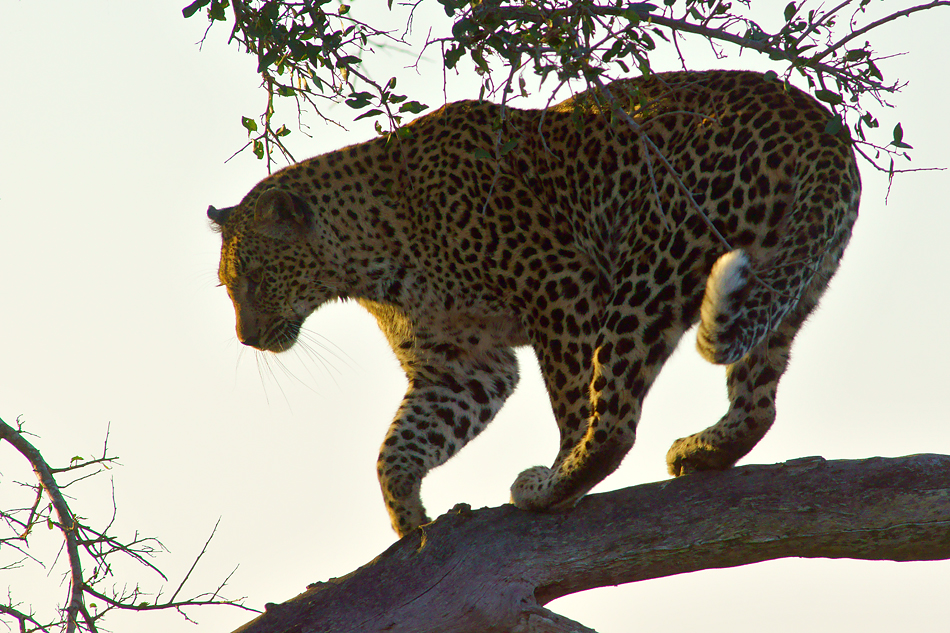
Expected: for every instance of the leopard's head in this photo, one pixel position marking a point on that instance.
(270, 267)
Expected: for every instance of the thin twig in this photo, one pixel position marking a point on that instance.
(875, 24)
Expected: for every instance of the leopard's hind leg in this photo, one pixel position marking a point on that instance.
(752, 383)
(752, 375)
(756, 302)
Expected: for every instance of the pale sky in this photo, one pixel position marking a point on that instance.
(116, 129)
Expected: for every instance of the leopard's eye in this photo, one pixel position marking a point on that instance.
(254, 279)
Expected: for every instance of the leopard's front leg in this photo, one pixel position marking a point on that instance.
(452, 396)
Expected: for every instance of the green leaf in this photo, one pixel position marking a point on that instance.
(507, 147)
(348, 60)
(828, 96)
(481, 64)
(267, 59)
(259, 149)
(616, 49)
(834, 125)
(899, 138)
(642, 7)
(413, 107)
(453, 55)
(461, 29)
(217, 11)
(638, 11)
(482, 154)
(344, 9)
(249, 124)
(282, 131)
(369, 113)
(358, 100)
(853, 56)
(451, 6)
(789, 11)
(859, 130)
(192, 8)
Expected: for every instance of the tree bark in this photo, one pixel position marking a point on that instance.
(493, 569)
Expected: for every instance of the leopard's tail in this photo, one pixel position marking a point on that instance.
(746, 299)
(722, 337)
(774, 285)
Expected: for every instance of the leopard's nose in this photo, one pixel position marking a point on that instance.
(250, 340)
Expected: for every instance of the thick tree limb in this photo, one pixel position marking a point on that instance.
(491, 570)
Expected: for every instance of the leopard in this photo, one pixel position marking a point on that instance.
(597, 231)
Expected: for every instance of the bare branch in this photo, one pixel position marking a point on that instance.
(873, 25)
(67, 524)
(98, 545)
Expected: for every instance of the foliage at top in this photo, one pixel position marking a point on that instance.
(314, 51)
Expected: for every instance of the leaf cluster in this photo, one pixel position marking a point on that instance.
(307, 49)
(590, 41)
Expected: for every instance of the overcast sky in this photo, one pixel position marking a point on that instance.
(116, 132)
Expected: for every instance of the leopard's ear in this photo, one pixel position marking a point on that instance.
(219, 216)
(282, 215)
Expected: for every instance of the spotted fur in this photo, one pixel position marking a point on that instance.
(579, 240)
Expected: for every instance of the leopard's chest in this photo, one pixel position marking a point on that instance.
(476, 333)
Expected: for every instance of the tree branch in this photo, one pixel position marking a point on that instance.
(874, 25)
(67, 524)
(98, 545)
(493, 569)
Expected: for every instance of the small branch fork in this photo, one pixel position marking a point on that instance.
(81, 540)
